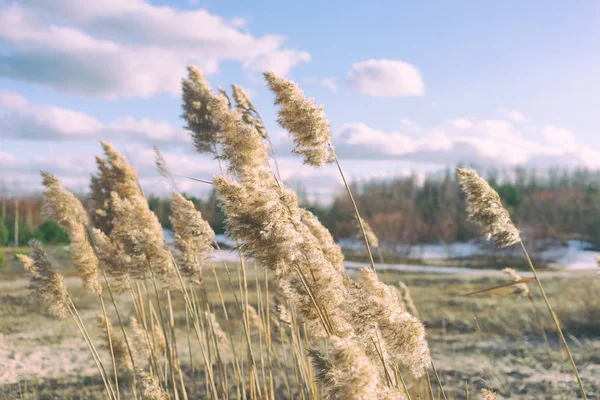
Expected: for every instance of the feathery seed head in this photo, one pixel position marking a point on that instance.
(124, 178)
(241, 99)
(46, 284)
(198, 111)
(139, 335)
(354, 375)
(249, 112)
(371, 237)
(149, 386)
(222, 339)
(27, 264)
(243, 146)
(189, 224)
(403, 333)
(331, 250)
(487, 394)
(193, 236)
(406, 299)
(114, 175)
(303, 119)
(159, 336)
(137, 233)
(63, 207)
(223, 93)
(520, 289)
(485, 208)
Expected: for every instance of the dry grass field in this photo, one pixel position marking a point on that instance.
(490, 340)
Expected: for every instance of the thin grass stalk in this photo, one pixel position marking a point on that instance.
(244, 289)
(357, 214)
(252, 361)
(151, 343)
(466, 391)
(556, 322)
(238, 372)
(299, 357)
(439, 381)
(165, 334)
(112, 298)
(174, 353)
(110, 346)
(322, 317)
(189, 341)
(89, 339)
(239, 304)
(404, 387)
(196, 329)
(210, 331)
(142, 317)
(377, 345)
(261, 331)
(429, 384)
(109, 389)
(540, 323)
(218, 353)
(268, 335)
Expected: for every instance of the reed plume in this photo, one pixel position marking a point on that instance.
(114, 175)
(198, 111)
(303, 119)
(485, 208)
(407, 300)
(249, 112)
(487, 394)
(222, 338)
(140, 337)
(46, 284)
(138, 235)
(331, 250)
(64, 208)
(371, 237)
(403, 333)
(351, 375)
(149, 387)
(520, 289)
(193, 236)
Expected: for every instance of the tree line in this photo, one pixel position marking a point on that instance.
(552, 205)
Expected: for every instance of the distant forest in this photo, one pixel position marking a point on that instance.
(553, 204)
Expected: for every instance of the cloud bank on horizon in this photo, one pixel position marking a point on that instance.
(73, 73)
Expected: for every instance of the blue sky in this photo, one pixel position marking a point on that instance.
(407, 86)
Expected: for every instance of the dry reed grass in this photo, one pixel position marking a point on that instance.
(326, 335)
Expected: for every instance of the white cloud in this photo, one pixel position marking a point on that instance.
(485, 142)
(559, 137)
(513, 115)
(127, 48)
(461, 124)
(386, 78)
(328, 83)
(28, 121)
(74, 169)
